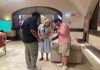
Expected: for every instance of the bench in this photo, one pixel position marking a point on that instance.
(75, 52)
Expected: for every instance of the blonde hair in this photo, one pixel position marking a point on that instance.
(47, 20)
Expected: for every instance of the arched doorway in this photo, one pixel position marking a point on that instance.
(46, 11)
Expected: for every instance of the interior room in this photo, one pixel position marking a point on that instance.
(81, 16)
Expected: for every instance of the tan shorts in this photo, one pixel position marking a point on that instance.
(64, 49)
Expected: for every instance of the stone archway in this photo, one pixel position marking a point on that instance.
(30, 10)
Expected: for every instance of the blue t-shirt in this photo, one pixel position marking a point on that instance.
(28, 25)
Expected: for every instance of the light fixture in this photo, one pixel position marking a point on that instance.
(7, 18)
(68, 15)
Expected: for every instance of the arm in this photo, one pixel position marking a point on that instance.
(39, 34)
(34, 33)
(54, 38)
(48, 34)
(34, 30)
(69, 36)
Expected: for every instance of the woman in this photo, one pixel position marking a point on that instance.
(44, 33)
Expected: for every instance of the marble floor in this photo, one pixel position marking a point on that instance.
(15, 60)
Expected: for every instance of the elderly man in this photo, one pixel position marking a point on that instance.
(64, 41)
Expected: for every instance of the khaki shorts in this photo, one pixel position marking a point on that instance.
(64, 49)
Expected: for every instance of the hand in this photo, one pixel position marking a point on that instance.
(68, 44)
(39, 40)
(45, 37)
(51, 39)
(58, 31)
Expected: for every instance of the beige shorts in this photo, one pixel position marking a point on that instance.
(64, 49)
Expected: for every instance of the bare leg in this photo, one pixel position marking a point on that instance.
(61, 55)
(47, 59)
(65, 60)
(60, 64)
(61, 58)
(41, 57)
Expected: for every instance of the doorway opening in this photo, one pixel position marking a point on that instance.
(22, 14)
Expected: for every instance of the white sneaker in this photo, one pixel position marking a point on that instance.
(60, 65)
(38, 68)
(64, 68)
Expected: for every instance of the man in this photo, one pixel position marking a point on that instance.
(64, 41)
(30, 39)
